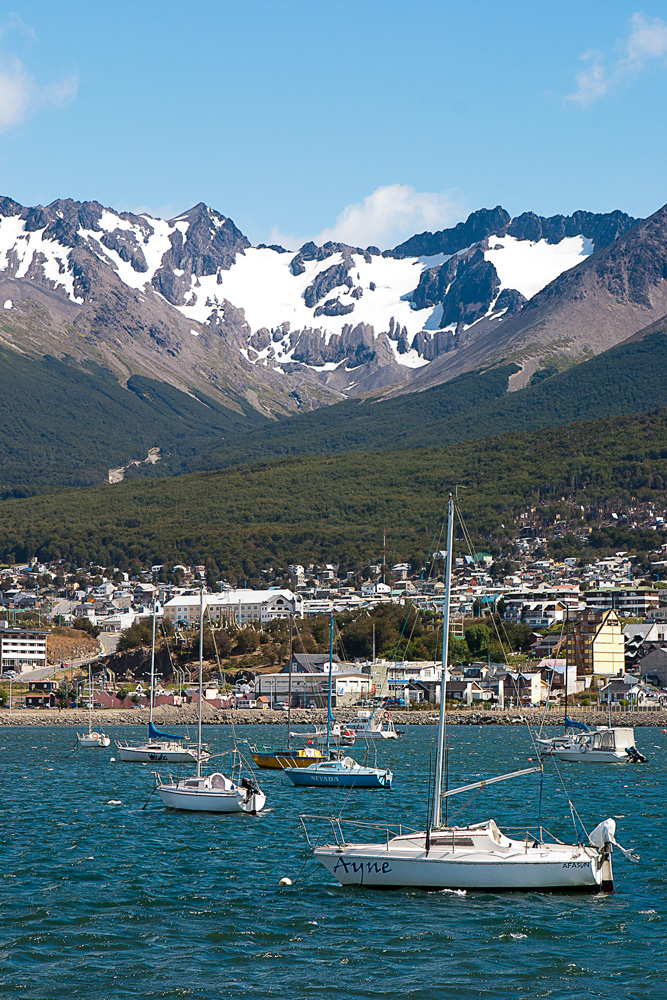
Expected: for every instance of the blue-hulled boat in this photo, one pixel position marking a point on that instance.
(343, 773)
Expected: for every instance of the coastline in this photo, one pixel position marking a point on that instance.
(168, 715)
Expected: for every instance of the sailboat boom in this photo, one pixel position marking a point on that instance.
(490, 781)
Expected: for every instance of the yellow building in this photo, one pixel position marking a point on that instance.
(596, 645)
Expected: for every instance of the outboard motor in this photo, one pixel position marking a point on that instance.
(635, 755)
(604, 838)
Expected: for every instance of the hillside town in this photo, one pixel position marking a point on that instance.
(525, 632)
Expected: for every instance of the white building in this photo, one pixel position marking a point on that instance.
(244, 607)
(22, 649)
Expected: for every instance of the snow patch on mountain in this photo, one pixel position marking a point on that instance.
(528, 266)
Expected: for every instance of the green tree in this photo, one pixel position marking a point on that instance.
(84, 624)
(477, 639)
(62, 698)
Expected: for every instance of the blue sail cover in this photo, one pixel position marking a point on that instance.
(155, 734)
(571, 723)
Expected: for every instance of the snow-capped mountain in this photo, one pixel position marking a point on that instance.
(190, 301)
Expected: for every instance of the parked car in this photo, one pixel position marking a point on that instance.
(280, 706)
(394, 702)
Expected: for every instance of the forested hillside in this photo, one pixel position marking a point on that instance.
(628, 379)
(66, 425)
(241, 520)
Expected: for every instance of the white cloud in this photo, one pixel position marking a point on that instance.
(646, 41)
(58, 95)
(15, 92)
(389, 215)
(20, 94)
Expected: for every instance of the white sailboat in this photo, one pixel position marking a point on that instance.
(213, 792)
(92, 738)
(160, 747)
(474, 856)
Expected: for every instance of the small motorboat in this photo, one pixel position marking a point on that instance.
(604, 745)
(342, 773)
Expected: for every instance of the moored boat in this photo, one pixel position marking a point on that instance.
(603, 745)
(374, 725)
(342, 773)
(213, 792)
(92, 738)
(286, 758)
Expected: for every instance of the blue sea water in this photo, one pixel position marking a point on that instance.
(101, 898)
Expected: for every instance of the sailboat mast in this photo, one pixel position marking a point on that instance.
(567, 657)
(201, 671)
(152, 697)
(437, 798)
(289, 684)
(331, 637)
(90, 700)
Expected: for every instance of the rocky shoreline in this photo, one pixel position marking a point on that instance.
(168, 715)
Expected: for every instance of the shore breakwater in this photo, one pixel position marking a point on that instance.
(169, 715)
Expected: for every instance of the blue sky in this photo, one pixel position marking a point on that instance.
(364, 121)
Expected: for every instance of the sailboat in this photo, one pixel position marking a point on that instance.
(92, 738)
(343, 772)
(160, 747)
(289, 756)
(212, 792)
(477, 855)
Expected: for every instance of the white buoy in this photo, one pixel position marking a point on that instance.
(285, 881)
(112, 760)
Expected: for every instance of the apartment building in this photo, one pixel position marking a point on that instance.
(22, 649)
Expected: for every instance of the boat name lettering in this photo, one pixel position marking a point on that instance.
(575, 864)
(157, 756)
(358, 867)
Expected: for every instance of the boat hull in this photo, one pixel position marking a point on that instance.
(373, 866)
(282, 761)
(234, 801)
(590, 756)
(93, 740)
(340, 780)
(146, 755)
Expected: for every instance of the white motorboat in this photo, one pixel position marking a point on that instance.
(474, 856)
(603, 745)
(374, 725)
(163, 748)
(213, 792)
(92, 738)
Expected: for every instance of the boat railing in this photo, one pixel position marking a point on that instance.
(336, 824)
